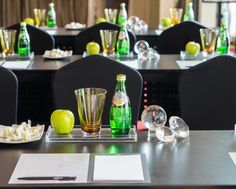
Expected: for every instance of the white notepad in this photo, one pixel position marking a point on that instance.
(30, 165)
(118, 168)
(17, 64)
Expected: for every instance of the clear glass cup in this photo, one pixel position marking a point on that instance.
(176, 15)
(108, 38)
(90, 103)
(208, 39)
(110, 15)
(40, 17)
(8, 39)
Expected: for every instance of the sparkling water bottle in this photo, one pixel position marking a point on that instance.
(223, 41)
(189, 13)
(51, 17)
(23, 41)
(120, 111)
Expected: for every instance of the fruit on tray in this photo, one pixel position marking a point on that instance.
(92, 48)
(62, 121)
(192, 48)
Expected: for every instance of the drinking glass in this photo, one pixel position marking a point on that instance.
(208, 39)
(90, 103)
(8, 38)
(108, 38)
(110, 15)
(40, 17)
(176, 15)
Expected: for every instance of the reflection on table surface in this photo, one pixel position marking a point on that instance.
(201, 161)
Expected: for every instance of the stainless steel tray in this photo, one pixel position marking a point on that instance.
(77, 136)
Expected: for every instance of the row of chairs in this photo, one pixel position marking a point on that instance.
(207, 91)
(91, 71)
(171, 41)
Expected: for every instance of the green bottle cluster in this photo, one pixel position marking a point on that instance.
(120, 111)
(51, 16)
(23, 41)
(123, 42)
(189, 13)
(223, 41)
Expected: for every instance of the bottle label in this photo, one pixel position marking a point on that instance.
(122, 35)
(119, 98)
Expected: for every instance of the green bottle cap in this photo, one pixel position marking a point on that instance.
(121, 77)
(51, 4)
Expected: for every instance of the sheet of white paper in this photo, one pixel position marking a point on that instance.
(51, 165)
(17, 64)
(233, 156)
(185, 64)
(131, 63)
(118, 168)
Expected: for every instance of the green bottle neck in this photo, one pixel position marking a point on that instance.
(120, 86)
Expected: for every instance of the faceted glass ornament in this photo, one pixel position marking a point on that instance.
(141, 46)
(179, 127)
(153, 117)
(165, 134)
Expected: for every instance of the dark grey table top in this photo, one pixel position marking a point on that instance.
(166, 62)
(201, 161)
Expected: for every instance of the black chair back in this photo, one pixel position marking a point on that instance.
(208, 94)
(39, 40)
(174, 39)
(92, 34)
(95, 71)
(8, 97)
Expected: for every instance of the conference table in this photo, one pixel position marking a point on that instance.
(65, 38)
(200, 161)
(35, 93)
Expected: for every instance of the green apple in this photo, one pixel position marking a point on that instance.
(99, 20)
(62, 121)
(29, 21)
(192, 48)
(166, 22)
(92, 48)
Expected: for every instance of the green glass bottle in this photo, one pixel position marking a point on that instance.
(223, 41)
(120, 111)
(123, 42)
(51, 16)
(189, 13)
(122, 16)
(23, 41)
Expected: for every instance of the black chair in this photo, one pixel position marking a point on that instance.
(174, 39)
(95, 71)
(39, 40)
(92, 34)
(8, 96)
(208, 94)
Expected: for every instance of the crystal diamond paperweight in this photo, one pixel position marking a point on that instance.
(165, 134)
(153, 117)
(179, 127)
